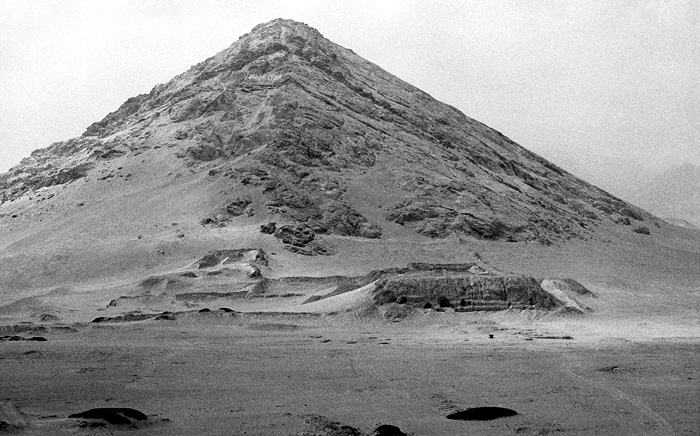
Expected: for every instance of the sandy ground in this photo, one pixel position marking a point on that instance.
(222, 373)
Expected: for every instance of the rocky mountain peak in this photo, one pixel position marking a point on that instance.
(280, 30)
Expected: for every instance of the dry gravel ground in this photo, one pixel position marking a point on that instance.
(216, 373)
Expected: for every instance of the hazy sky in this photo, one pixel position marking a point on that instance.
(576, 81)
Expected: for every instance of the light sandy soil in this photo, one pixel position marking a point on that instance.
(222, 373)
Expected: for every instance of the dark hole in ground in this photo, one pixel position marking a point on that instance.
(444, 302)
(388, 430)
(482, 414)
(113, 415)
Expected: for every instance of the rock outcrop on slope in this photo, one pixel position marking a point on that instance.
(312, 135)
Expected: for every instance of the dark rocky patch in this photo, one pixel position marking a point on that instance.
(642, 230)
(223, 216)
(268, 228)
(301, 239)
(238, 206)
(297, 235)
(314, 248)
(127, 317)
(482, 414)
(223, 257)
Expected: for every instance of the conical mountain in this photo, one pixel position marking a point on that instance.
(285, 126)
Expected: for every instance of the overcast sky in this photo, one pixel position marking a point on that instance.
(580, 82)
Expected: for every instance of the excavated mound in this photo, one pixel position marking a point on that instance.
(395, 293)
(464, 287)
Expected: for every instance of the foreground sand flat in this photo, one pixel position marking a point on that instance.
(215, 373)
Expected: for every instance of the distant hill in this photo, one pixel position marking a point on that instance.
(674, 194)
(619, 176)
